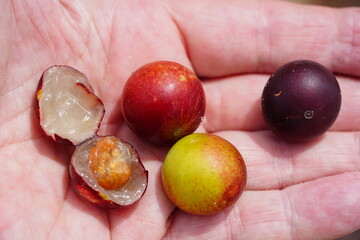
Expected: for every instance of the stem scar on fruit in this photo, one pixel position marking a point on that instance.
(309, 114)
(109, 168)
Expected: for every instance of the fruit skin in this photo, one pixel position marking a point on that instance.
(163, 101)
(86, 192)
(203, 174)
(301, 100)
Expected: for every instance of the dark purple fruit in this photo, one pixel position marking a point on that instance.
(301, 100)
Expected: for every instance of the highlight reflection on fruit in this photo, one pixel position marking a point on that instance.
(163, 101)
(203, 174)
(301, 101)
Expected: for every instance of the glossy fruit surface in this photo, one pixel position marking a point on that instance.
(66, 107)
(301, 100)
(203, 174)
(163, 101)
(107, 172)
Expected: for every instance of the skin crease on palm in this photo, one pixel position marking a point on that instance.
(294, 191)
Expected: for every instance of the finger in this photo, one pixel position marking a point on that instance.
(322, 209)
(276, 164)
(235, 103)
(232, 37)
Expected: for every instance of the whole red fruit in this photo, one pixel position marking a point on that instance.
(163, 101)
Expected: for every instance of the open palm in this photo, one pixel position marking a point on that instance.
(295, 191)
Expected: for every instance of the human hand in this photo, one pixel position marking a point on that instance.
(295, 191)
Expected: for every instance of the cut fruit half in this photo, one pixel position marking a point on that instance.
(108, 155)
(104, 170)
(66, 107)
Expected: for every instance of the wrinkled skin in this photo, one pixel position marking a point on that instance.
(295, 191)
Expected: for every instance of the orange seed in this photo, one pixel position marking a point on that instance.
(110, 169)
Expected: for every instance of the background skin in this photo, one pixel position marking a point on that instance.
(294, 191)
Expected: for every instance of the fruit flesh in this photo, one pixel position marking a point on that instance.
(110, 170)
(203, 174)
(105, 171)
(301, 100)
(67, 107)
(163, 101)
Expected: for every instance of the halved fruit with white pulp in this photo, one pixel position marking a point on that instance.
(107, 172)
(67, 109)
(104, 170)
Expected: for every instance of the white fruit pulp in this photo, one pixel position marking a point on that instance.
(68, 108)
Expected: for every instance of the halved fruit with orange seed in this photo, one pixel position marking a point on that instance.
(107, 172)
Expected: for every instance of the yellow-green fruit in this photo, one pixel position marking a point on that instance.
(203, 174)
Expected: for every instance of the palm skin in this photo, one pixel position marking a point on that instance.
(295, 191)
